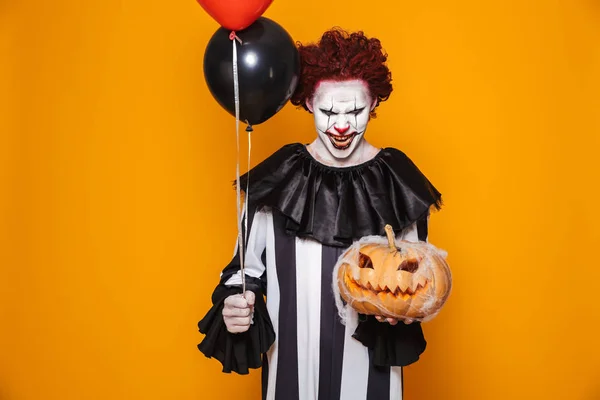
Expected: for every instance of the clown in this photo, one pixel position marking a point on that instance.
(307, 205)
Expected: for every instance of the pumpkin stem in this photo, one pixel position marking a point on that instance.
(390, 236)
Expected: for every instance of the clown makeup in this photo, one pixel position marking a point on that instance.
(341, 112)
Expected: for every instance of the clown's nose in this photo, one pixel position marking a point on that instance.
(342, 130)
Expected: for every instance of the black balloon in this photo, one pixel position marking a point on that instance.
(268, 70)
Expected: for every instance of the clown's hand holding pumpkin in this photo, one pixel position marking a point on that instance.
(314, 214)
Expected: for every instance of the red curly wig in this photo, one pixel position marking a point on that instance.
(338, 56)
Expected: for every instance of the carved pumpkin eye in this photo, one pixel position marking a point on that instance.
(364, 261)
(409, 266)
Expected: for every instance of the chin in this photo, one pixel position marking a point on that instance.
(342, 153)
(339, 153)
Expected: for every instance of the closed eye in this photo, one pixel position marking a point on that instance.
(357, 111)
(327, 112)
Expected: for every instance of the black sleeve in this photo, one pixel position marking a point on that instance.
(393, 345)
(237, 352)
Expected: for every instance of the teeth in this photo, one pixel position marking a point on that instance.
(403, 289)
(340, 138)
(341, 141)
(418, 283)
(414, 285)
(403, 286)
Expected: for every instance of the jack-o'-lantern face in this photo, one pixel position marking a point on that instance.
(397, 279)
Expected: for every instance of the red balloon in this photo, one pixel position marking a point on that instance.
(235, 14)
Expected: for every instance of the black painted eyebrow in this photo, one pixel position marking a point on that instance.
(325, 111)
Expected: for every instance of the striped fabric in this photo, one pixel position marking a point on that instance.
(314, 356)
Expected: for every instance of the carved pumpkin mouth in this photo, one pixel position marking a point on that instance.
(405, 293)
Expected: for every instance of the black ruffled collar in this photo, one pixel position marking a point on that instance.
(336, 206)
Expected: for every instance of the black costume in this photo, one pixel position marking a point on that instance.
(302, 215)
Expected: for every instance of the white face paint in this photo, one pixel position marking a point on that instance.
(341, 111)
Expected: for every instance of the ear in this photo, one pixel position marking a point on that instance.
(309, 105)
(375, 102)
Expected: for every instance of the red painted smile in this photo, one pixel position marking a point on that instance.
(341, 142)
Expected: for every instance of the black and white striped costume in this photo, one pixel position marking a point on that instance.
(302, 217)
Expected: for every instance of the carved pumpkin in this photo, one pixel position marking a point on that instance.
(393, 278)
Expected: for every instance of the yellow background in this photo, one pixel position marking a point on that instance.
(117, 212)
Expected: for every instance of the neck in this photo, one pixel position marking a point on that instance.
(363, 152)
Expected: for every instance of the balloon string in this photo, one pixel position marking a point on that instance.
(249, 130)
(238, 189)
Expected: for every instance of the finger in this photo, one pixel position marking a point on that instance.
(238, 321)
(392, 321)
(237, 301)
(379, 318)
(250, 297)
(237, 329)
(236, 312)
(408, 321)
